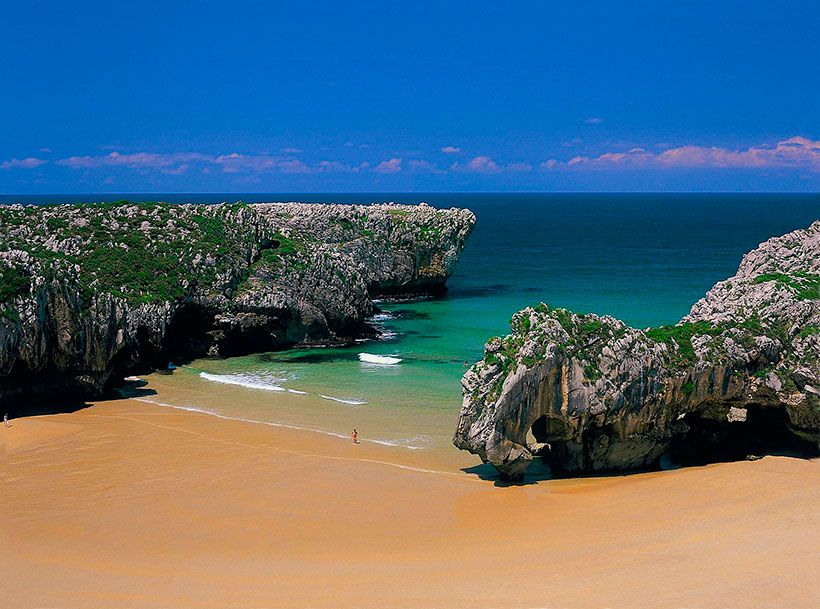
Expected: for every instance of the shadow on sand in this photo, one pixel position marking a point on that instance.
(39, 409)
(540, 470)
(49, 405)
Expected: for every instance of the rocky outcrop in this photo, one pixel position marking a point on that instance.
(89, 293)
(739, 375)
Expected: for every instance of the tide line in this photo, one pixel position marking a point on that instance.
(272, 424)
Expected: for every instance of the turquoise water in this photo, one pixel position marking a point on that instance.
(643, 258)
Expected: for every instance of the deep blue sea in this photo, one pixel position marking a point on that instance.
(644, 258)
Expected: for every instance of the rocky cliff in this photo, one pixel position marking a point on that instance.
(738, 376)
(89, 293)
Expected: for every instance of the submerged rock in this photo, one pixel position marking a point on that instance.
(739, 375)
(89, 293)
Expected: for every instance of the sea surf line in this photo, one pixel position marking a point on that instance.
(242, 380)
(351, 401)
(392, 443)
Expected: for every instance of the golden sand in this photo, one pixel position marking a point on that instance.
(127, 504)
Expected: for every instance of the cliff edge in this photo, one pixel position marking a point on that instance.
(738, 376)
(89, 293)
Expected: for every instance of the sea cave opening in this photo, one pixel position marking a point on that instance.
(747, 432)
(187, 334)
(542, 433)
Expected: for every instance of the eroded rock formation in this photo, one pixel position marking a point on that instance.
(739, 375)
(91, 292)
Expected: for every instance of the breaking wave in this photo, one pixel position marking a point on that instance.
(371, 358)
(351, 401)
(383, 316)
(242, 380)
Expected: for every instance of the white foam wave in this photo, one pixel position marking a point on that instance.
(251, 382)
(414, 443)
(351, 401)
(372, 358)
(384, 316)
(297, 392)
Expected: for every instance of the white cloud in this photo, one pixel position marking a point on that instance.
(593, 120)
(293, 166)
(485, 164)
(793, 152)
(237, 163)
(176, 171)
(136, 160)
(27, 163)
(391, 166)
(419, 166)
(333, 167)
(482, 164)
(451, 150)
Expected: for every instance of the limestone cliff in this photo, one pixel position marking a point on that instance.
(91, 292)
(739, 375)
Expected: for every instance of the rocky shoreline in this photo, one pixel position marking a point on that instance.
(90, 293)
(738, 376)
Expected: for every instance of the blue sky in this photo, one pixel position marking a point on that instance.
(399, 96)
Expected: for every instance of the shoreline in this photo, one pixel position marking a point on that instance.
(125, 503)
(268, 399)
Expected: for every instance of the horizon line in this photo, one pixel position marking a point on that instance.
(418, 192)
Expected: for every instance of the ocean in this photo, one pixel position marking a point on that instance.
(644, 258)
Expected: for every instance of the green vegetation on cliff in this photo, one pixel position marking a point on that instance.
(13, 282)
(806, 286)
(283, 254)
(148, 252)
(809, 331)
(679, 339)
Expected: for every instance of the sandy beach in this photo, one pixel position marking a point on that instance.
(128, 504)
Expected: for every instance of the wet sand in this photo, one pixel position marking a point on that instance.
(128, 504)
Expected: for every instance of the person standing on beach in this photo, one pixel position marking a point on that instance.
(6, 420)
(355, 436)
